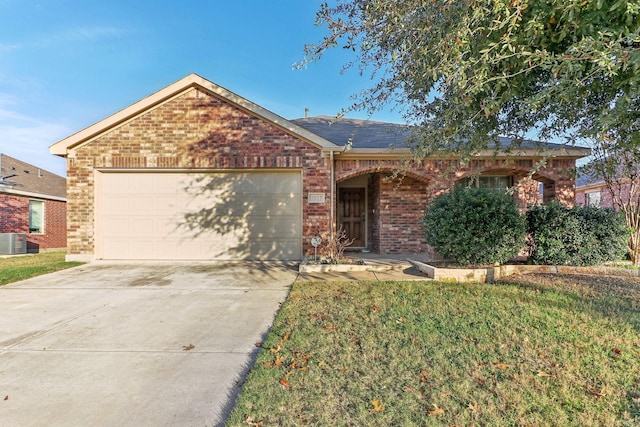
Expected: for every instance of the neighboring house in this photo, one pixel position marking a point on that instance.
(197, 172)
(33, 202)
(591, 191)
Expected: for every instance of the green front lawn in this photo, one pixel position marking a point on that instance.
(546, 351)
(15, 268)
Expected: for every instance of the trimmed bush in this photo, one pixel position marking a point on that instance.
(582, 235)
(474, 226)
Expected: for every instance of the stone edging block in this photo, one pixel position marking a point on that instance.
(491, 274)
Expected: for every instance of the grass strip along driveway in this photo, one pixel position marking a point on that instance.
(17, 268)
(541, 350)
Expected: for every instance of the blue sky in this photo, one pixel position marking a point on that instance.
(66, 64)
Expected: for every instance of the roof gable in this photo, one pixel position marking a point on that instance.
(172, 91)
(18, 177)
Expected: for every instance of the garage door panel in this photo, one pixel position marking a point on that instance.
(266, 227)
(244, 206)
(199, 216)
(112, 204)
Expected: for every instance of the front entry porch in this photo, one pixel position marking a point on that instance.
(381, 213)
(381, 210)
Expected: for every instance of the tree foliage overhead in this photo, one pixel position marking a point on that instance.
(470, 70)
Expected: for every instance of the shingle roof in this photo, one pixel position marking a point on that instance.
(381, 135)
(19, 176)
(362, 133)
(583, 179)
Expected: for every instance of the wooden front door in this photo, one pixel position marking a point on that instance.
(352, 214)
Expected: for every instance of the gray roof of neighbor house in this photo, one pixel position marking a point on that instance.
(583, 179)
(381, 135)
(18, 177)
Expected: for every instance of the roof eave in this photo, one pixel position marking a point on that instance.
(32, 194)
(394, 153)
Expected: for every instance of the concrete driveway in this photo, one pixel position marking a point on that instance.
(150, 344)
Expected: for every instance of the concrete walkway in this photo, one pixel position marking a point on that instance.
(133, 344)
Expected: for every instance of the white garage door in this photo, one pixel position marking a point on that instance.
(198, 216)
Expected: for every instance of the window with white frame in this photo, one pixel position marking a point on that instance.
(36, 216)
(493, 182)
(593, 199)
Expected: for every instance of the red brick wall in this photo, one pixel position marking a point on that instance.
(14, 218)
(401, 206)
(373, 212)
(558, 175)
(396, 205)
(12, 214)
(201, 131)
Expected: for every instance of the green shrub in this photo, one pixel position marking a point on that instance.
(582, 235)
(474, 226)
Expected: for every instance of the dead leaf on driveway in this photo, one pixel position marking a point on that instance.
(188, 347)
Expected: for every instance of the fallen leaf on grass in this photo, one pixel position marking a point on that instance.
(436, 411)
(597, 393)
(188, 347)
(285, 383)
(378, 406)
(286, 336)
(331, 327)
(252, 422)
(501, 365)
(480, 381)
(544, 374)
(277, 348)
(279, 360)
(424, 376)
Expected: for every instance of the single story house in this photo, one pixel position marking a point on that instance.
(197, 172)
(33, 201)
(593, 191)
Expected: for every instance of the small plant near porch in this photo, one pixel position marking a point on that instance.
(475, 226)
(331, 248)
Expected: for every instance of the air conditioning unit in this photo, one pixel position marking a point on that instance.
(13, 243)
